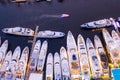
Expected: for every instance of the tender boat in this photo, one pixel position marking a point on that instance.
(102, 54)
(57, 67)
(116, 38)
(64, 64)
(97, 24)
(34, 56)
(42, 56)
(11, 70)
(19, 31)
(73, 57)
(49, 67)
(83, 56)
(94, 60)
(50, 34)
(111, 47)
(5, 64)
(22, 64)
(3, 50)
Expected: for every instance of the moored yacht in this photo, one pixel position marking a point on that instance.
(57, 67)
(97, 24)
(5, 64)
(73, 57)
(11, 71)
(116, 38)
(49, 67)
(83, 56)
(22, 64)
(64, 64)
(42, 56)
(19, 31)
(50, 34)
(102, 54)
(34, 56)
(111, 47)
(94, 60)
(3, 50)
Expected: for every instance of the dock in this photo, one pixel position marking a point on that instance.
(33, 44)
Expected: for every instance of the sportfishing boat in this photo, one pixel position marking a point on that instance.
(116, 38)
(3, 50)
(34, 56)
(5, 64)
(19, 31)
(111, 47)
(64, 64)
(11, 70)
(97, 24)
(22, 64)
(49, 67)
(42, 56)
(73, 57)
(102, 54)
(57, 67)
(50, 34)
(83, 56)
(94, 60)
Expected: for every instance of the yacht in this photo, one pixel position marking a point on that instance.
(19, 31)
(94, 60)
(102, 54)
(64, 64)
(73, 57)
(49, 67)
(34, 56)
(42, 56)
(83, 56)
(50, 34)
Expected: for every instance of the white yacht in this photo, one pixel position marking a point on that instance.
(3, 50)
(50, 34)
(83, 56)
(73, 57)
(11, 71)
(22, 64)
(94, 60)
(64, 64)
(49, 67)
(57, 67)
(19, 31)
(111, 47)
(42, 56)
(34, 56)
(102, 54)
(5, 64)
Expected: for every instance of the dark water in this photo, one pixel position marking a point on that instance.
(80, 11)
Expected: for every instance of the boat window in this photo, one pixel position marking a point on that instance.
(99, 47)
(83, 53)
(57, 63)
(91, 48)
(74, 57)
(103, 58)
(14, 60)
(82, 48)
